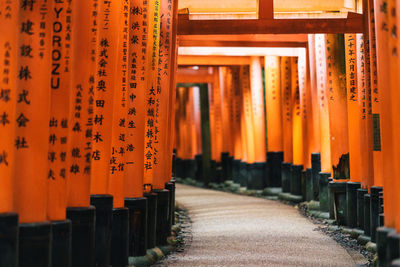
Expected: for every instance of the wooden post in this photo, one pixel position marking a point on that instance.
(286, 78)
(205, 132)
(337, 104)
(321, 68)
(353, 107)
(297, 126)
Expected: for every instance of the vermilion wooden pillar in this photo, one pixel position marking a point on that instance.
(297, 125)
(320, 48)
(31, 134)
(60, 86)
(384, 46)
(337, 102)
(353, 107)
(83, 70)
(237, 124)
(274, 120)
(8, 99)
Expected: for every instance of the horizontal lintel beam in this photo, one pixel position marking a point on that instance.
(352, 24)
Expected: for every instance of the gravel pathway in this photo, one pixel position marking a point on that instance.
(234, 230)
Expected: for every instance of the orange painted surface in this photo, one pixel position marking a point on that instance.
(248, 114)
(119, 124)
(394, 42)
(337, 101)
(353, 107)
(320, 51)
(83, 69)
(304, 91)
(286, 94)
(197, 119)
(365, 116)
(384, 60)
(152, 95)
(297, 126)
(106, 76)
(60, 87)
(215, 101)
(273, 103)
(237, 113)
(32, 113)
(163, 91)
(375, 101)
(257, 103)
(8, 99)
(134, 170)
(226, 86)
(313, 120)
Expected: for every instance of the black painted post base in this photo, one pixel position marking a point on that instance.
(151, 219)
(337, 202)
(392, 249)
(374, 211)
(230, 168)
(257, 177)
(82, 235)
(162, 217)
(61, 243)
(306, 184)
(295, 180)
(243, 174)
(170, 186)
(179, 172)
(286, 176)
(236, 171)
(104, 215)
(137, 225)
(309, 185)
(274, 167)
(199, 167)
(34, 245)
(8, 239)
(367, 214)
(213, 172)
(381, 245)
(323, 191)
(225, 166)
(360, 207)
(316, 169)
(190, 169)
(120, 238)
(351, 204)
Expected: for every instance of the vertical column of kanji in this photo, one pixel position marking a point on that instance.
(258, 118)
(243, 122)
(274, 120)
(119, 124)
(60, 85)
(214, 151)
(375, 103)
(105, 79)
(31, 133)
(135, 202)
(353, 108)
(321, 68)
(297, 129)
(337, 104)
(8, 99)
(225, 123)
(286, 86)
(151, 92)
(80, 120)
(136, 97)
(383, 44)
(120, 219)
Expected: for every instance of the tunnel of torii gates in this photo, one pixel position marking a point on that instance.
(93, 103)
